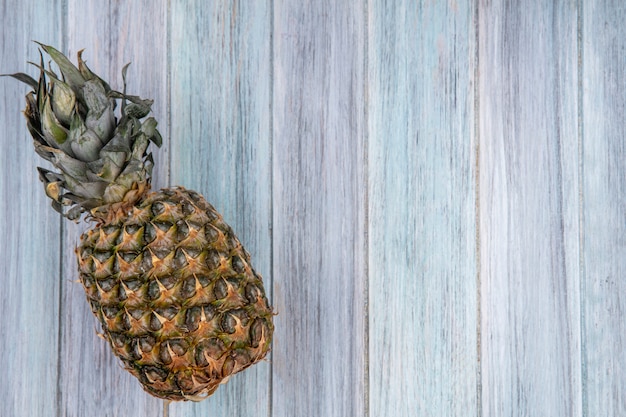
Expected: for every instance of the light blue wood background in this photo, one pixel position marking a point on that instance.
(434, 191)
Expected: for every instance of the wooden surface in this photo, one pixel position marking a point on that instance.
(421, 210)
(529, 209)
(433, 191)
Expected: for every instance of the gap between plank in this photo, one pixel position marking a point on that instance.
(366, 245)
(476, 18)
(581, 199)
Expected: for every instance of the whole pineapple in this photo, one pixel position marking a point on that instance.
(168, 280)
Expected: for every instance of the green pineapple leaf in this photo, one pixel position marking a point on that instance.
(72, 75)
(25, 78)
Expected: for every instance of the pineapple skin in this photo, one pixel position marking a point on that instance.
(174, 292)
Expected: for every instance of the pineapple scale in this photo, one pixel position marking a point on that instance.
(174, 292)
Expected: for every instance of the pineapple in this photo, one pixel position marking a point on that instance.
(166, 277)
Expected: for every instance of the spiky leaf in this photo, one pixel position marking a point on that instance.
(73, 123)
(71, 74)
(25, 78)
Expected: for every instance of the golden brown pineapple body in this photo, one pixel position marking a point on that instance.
(175, 294)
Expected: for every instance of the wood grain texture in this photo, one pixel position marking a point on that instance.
(92, 380)
(604, 194)
(386, 198)
(318, 204)
(220, 146)
(30, 245)
(529, 192)
(422, 252)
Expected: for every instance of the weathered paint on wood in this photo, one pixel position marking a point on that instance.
(319, 206)
(30, 290)
(422, 252)
(603, 128)
(529, 269)
(433, 192)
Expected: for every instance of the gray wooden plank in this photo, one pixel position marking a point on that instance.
(220, 146)
(92, 381)
(422, 252)
(319, 199)
(30, 249)
(529, 199)
(604, 193)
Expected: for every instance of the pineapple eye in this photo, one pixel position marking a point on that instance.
(136, 313)
(125, 322)
(231, 239)
(213, 348)
(168, 282)
(134, 351)
(240, 358)
(238, 265)
(132, 284)
(211, 233)
(180, 260)
(211, 213)
(230, 320)
(131, 229)
(169, 312)
(102, 256)
(127, 256)
(194, 196)
(182, 230)
(209, 312)
(213, 259)
(121, 293)
(146, 343)
(149, 233)
(155, 323)
(193, 252)
(257, 330)
(252, 293)
(220, 290)
(154, 291)
(178, 346)
(110, 311)
(187, 208)
(157, 208)
(188, 288)
(161, 253)
(164, 354)
(185, 380)
(192, 318)
(146, 262)
(203, 280)
(154, 374)
(119, 339)
(107, 284)
(229, 366)
(88, 281)
(163, 226)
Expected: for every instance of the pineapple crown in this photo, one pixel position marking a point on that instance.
(103, 162)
